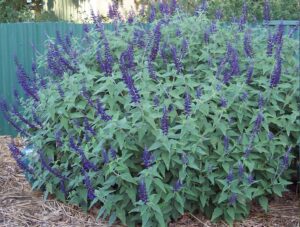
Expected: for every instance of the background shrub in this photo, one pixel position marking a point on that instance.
(149, 121)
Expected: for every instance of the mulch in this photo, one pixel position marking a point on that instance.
(20, 206)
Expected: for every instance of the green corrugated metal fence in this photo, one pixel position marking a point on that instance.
(17, 39)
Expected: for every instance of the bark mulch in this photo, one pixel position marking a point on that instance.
(19, 206)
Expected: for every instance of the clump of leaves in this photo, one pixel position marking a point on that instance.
(150, 121)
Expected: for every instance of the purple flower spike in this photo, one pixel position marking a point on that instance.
(223, 102)
(25, 81)
(184, 47)
(47, 166)
(88, 184)
(240, 169)
(16, 113)
(164, 8)
(58, 138)
(165, 121)
(156, 41)
(249, 73)
(187, 104)
(230, 176)
(244, 96)
(113, 153)
(151, 70)
(250, 179)
(285, 159)
(206, 36)
(226, 143)
(152, 14)
(267, 11)
(102, 112)
(156, 101)
(17, 155)
(232, 55)
(88, 127)
(248, 44)
(232, 199)
(198, 92)
(270, 45)
(147, 158)
(270, 136)
(218, 14)
(276, 74)
(142, 192)
(261, 101)
(177, 186)
(105, 156)
(257, 125)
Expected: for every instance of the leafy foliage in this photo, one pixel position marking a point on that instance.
(149, 121)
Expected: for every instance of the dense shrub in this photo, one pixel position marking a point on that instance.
(149, 121)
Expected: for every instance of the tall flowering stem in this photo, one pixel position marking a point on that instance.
(248, 44)
(165, 121)
(17, 155)
(176, 60)
(147, 158)
(47, 166)
(142, 192)
(267, 11)
(187, 104)
(156, 41)
(88, 184)
(276, 74)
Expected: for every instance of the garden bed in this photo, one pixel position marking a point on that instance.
(19, 206)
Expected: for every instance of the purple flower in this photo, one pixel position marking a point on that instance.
(232, 56)
(198, 92)
(178, 32)
(156, 41)
(151, 70)
(223, 102)
(247, 151)
(257, 125)
(165, 121)
(130, 18)
(285, 159)
(113, 153)
(105, 156)
(25, 82)
(261, 101)
(36, 118)
(230, 176)
(17, 97)
(47, 166)
(184, 47)
(113, 11)
(276, 74)
(152, 14)
(127, 79)
(102, 112)
(206, 36)
(164, 8)
(248, 44)
(249, 73)
(218, 14)
(173, 6)
(177, 186)
(244, 96)
(267, 16)
(142, 192)
(88, 127)
(213, 27)
(226, 143)
(139, 38)
(17, 155)
(278, 37)
(147, 158)
(250, 179)
(270, 135)
(187, 104)
(227, 76)
(58, 138)
(86, 163)
(240, 169)
(60, 91)
(156, 101)
(108, 58)
(88, 185)
(232, 199)
(16, 113)
(203, 6)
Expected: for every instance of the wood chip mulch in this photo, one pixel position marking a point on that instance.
(19, 206)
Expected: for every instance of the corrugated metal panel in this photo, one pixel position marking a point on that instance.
(17, 39)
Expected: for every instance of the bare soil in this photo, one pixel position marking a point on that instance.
(20, 206)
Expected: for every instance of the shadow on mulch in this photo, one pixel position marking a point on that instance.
(19, 206)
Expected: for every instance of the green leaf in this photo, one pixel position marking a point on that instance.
(263, 201)
(231, 212)
(112, 218)
(100, 213)
(217, 213)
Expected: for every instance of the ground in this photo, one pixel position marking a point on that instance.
(19, 206)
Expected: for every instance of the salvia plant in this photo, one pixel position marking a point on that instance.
(149, 121)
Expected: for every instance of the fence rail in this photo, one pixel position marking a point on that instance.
(18, 39)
